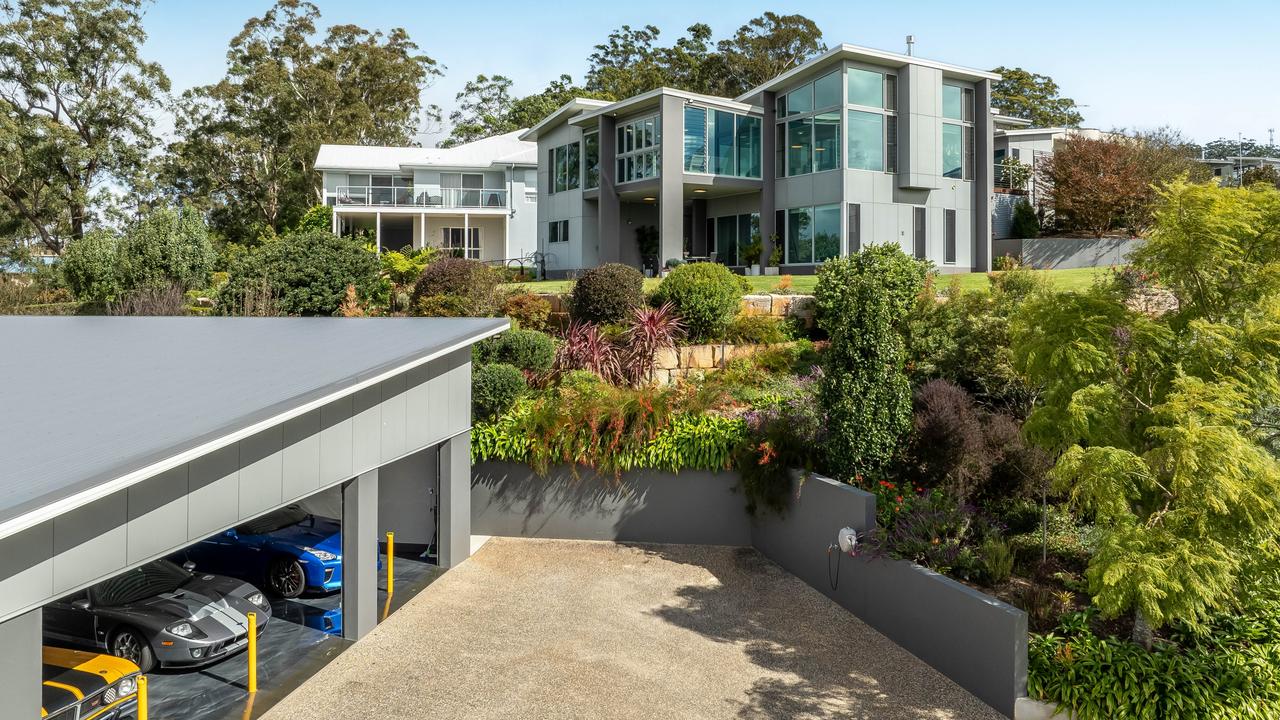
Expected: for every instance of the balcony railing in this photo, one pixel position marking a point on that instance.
(423, 196)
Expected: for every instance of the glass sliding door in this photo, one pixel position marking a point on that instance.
(826, 232)
(799, 236)
(727, 240)
(723, 159)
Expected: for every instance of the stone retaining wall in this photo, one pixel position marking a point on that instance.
(674, 364)
(782, 306)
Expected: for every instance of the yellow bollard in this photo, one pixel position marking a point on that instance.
(253, 653)
(142, 697)
(391, 562)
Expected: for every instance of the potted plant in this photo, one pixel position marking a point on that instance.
(751, 256)
(775, 258)
(671, 264)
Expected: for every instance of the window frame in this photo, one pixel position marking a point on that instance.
(887, 109)
(642, 149)
(557, 231)
(968, 136)
(812, 212)
(468, 240)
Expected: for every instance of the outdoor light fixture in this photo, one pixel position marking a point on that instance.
(699, 190)
(650, 199)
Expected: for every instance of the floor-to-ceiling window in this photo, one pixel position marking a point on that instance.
(591, 159)
(809, 127)
(872, 120)
(639, 145)
(721, 142)
(565, 167)
(812, 234)
(957, 132)
(733, 235)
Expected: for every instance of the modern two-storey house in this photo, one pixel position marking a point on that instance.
(856, 146)
(478, 200)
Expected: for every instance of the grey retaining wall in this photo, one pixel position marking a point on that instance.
(972, 638)
(1057, 253)
(693, 507)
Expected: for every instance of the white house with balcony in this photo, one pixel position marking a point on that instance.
(478, 200)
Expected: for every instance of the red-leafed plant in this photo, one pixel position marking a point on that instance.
(652, 330)
(586, 348)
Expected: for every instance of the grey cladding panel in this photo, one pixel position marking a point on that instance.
(214, 480)
(301, 464)
(26, 568)
(438, 389)
(337, 461)
(367, 428)
(393, 411)
(418, 406)
(89, 542)
(261, 471)
(157, 514)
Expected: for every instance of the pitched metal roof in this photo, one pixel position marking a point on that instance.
(95, 404)
(505, 149)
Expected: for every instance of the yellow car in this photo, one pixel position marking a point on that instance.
(88, 686)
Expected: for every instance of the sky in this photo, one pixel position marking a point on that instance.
(1205, 68)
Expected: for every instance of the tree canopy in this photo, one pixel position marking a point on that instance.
(486, 107)
(1159, 420)
(76, 102)
(247, 144)
(1035, 97)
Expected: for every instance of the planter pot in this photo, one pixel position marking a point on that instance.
(753, 270)
(648, 273)
(773, 270)
(666, 272)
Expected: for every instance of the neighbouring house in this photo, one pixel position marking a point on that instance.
(478, 200)
(1230, 170)
(1031, 146)
(853, 147)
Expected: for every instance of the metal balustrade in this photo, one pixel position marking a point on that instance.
(422, 196)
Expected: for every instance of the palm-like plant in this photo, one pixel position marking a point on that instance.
(651, 331)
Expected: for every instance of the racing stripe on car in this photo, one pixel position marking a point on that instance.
(81, 681)
(56, 696)
(218, 610)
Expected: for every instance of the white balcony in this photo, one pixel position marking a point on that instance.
(418, 196)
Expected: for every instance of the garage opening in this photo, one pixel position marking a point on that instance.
(206, 470)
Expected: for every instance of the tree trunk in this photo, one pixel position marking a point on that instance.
(1142, 633)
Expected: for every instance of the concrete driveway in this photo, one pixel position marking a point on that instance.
(563, 629)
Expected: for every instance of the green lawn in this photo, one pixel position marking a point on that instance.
(1075, 279)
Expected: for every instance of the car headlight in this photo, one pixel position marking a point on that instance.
(321, 555)
(184, 630)
(258, 599)
(127, 686)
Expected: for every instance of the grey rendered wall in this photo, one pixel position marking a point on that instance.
(692, 507)
(977, 641)
(406, 494)
(1063, 253)
(20, 640)
(302, 456)
(565, 205)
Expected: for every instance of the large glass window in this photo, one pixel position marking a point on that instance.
(826, 232)
(565, 167)
(723, 158)
(800, 235)
(800, 100)
(749, 146)
(952, 150)
(952, 102)
(591, 156)
(463, 242)
(866, 140)
(800, 147)
(695, 139)
(826, 91)
(638, 148)
(866, 88)
(826, 141)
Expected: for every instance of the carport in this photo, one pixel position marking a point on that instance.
(150, 434)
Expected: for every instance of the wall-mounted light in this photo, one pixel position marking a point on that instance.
(699, 190)
(650, 199)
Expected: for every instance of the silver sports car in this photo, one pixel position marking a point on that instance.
(159, 614)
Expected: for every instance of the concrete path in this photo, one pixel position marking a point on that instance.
(561, 629)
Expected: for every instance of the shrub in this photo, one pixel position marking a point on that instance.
(304, 274)
(997, 561)
(316, 218)
(607, 294)
(529, 311)
(782, 436)
(494, 389)
(89, 267)
(469, 284)
(757, 330)
(1025, 224)
(862, 304)
(167, 248)
(706, 296)
(586, 348)
(651, 330)
(528, 350)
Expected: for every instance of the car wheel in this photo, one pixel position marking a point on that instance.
(131, 646)
(286, 578)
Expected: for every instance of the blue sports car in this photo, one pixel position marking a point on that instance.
(289, 551)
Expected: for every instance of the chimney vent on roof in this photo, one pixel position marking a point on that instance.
(911, 44)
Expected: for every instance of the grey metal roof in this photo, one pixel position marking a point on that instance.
(85, 401)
